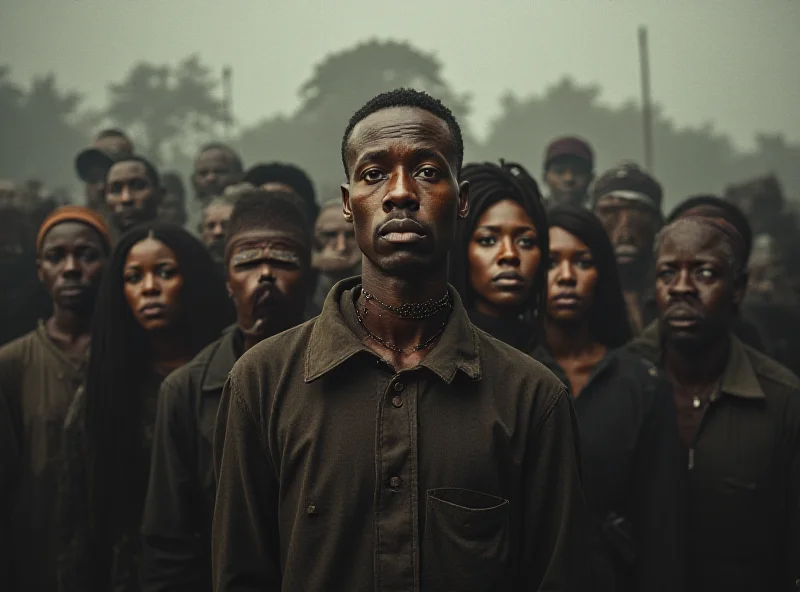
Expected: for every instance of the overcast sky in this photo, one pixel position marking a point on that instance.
(735, 63)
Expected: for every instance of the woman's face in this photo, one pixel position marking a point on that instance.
(503, 256)
(152, 284)
(571, 277)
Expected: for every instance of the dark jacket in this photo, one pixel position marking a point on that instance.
(743, 476)
(631, 472)
(516, 332)
(176, 526)
(337, 473)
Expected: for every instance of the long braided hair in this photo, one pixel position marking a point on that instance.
(119, 362)
(489, 184)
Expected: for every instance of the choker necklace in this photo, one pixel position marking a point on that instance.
(388, 344)
(411, 310)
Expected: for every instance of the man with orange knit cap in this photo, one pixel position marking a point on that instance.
(39, 374)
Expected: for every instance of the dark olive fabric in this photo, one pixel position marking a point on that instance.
(335, 472)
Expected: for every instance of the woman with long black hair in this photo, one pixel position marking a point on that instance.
(626, 416)
(498, 264)
(160, 303)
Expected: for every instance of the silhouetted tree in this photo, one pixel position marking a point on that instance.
(39, 134)
(339, 85)
(164, 106)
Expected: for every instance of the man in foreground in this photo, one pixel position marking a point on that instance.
(738, 415)
(267, 256)
(388, 444)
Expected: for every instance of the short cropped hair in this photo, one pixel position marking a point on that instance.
(151, 171)
(406, 97)
(234, 156)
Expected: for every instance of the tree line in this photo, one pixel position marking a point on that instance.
(170, 109)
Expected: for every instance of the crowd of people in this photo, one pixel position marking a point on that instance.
(442, 380)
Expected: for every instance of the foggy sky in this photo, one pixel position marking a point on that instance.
(734, 63)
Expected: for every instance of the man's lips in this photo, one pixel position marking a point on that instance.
(405, 230)
(681, 315)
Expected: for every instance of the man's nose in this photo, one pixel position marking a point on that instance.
(70, 265)
(126, 196)
(683, 283)
(341, 242)
(218, 231)
(401, 193)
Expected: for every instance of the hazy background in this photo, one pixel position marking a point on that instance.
(725, 73)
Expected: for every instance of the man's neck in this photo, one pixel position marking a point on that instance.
(697, 366)
(69, 331)
(403, 333)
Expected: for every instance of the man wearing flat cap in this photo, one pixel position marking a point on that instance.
(93, 163)
(39, 374)
(628, 202)
(568, 171)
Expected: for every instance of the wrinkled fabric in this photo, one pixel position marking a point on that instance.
(742, 475)
(335, 472)
(631, 471)
(176, 528)
(37, 384)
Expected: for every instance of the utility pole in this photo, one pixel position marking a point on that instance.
(227, 99)
(647, 105)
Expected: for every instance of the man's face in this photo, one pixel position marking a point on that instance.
(171, 209)
(403, 195)
(70, 265)
(632, 228)
(266, 280)
(697, 290)
(214, 170)
(569, 179)
(213, 228)
(130, 195)
(337, 252)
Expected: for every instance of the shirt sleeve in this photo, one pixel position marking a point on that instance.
(554, 550)
(245, 545)
(174, 556)
(655, 495)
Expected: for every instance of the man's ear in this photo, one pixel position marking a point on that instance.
(346, 209)
(463, 199)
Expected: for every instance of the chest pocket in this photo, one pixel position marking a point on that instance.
(466, 541)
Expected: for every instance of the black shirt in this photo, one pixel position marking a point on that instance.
(176, 525)
(631, 471)
(336, 472)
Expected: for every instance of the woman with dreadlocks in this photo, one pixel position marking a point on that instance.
(160, 303)
(501, 246)
(626, 415)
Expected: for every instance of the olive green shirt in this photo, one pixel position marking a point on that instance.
(37, 383)
(336, 472)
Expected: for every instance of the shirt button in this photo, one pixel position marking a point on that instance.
(399, 386)
(397, 402)
(395, 482)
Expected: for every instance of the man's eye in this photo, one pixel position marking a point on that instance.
(138, 184)
(665, 274)
(429, 173)
(372, 175)
(707, 274)
(89, 255)
(53, 256)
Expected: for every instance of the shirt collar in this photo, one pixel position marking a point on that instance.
(332, 342)
(223, 359)
(739, 377)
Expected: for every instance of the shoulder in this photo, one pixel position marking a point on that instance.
(770, 371)
(507, 369)
(19, 348)
(193, 371)
(633, 363)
